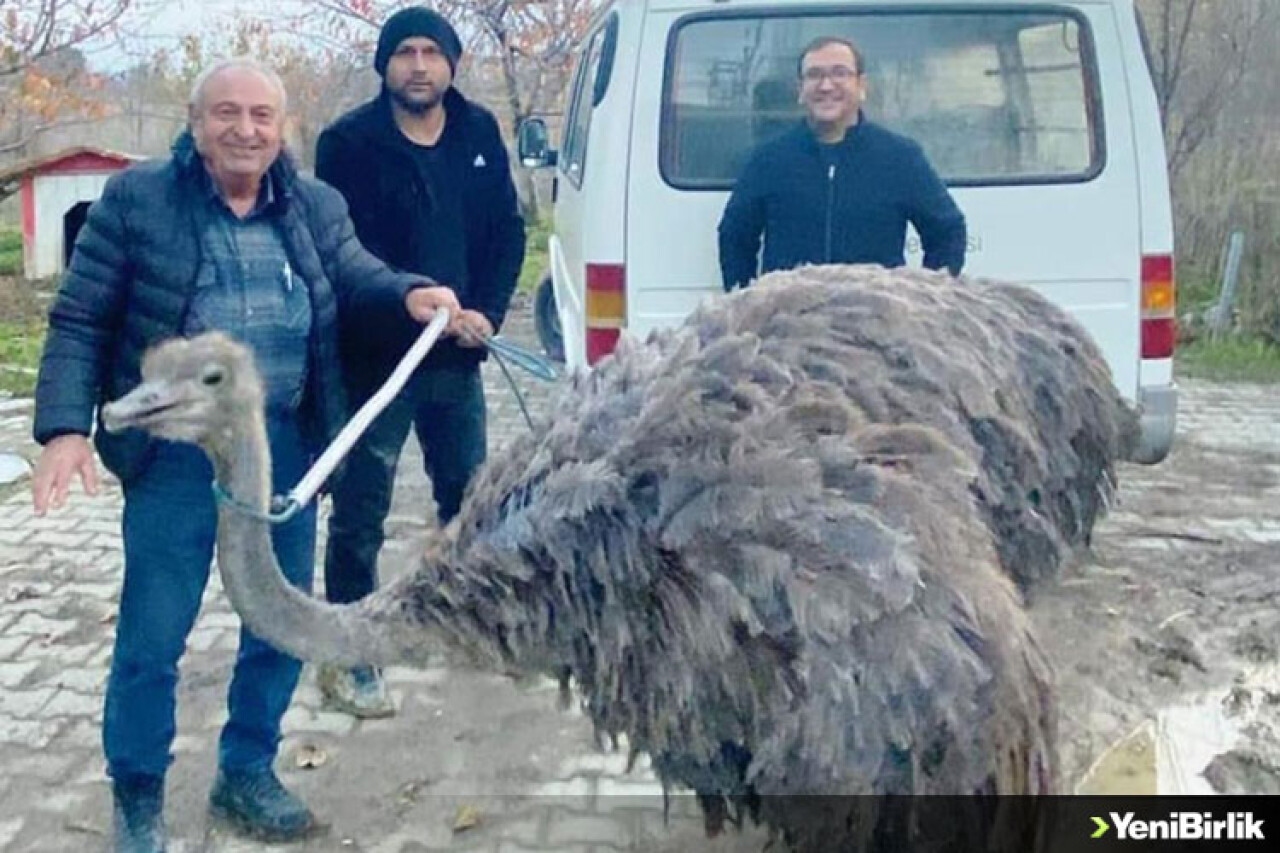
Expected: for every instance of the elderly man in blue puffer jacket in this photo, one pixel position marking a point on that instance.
(223, 235)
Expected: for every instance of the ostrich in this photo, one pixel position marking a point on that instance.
(766, 545)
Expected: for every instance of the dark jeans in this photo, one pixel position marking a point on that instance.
(170, 524)
(445, 406)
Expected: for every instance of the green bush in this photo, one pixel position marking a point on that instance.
(1241, 358)
(535, 256)
(10, 252)
(20, 347)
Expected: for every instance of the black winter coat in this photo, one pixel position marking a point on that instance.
(850, 206)
(133, 274)
(365, 156)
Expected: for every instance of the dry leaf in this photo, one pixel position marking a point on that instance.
(310, 756)
(468, 817)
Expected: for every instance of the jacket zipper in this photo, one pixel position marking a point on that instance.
(831, 197)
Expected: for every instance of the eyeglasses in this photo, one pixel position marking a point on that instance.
(836, 73)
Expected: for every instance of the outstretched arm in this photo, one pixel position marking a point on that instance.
(740, 230)
(82, 327)
(935, 215)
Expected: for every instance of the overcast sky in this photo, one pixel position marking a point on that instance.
(153, 24)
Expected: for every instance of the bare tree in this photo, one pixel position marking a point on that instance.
(31, 30)
(1200, 54)
(43, 78)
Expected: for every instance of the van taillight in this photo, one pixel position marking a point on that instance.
(1159, 327)
(606, 308)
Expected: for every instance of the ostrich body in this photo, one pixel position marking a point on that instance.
(776, 546)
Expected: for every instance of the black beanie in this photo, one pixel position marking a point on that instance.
(416, 21)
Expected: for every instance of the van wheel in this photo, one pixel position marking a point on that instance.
(546, 319)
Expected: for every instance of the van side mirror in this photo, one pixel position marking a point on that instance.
(532, 144)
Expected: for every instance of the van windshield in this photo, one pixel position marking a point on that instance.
(994, 96)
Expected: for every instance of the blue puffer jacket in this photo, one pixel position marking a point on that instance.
(133, 274)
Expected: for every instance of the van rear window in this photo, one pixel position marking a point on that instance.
(994, 96)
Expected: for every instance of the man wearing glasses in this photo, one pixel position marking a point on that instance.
(837, 188)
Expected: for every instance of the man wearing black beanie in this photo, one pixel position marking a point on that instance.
(427, 178)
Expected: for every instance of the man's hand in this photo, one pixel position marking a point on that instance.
(472, 328)
(422, 303)
(61, 459)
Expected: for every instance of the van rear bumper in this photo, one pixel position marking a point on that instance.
(1158, 405)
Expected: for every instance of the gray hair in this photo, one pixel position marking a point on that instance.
(237, 62)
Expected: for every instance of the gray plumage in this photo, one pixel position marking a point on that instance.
(766, 545)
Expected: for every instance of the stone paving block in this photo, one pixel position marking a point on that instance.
(80, 655)
(580, 787)
(408, 675)
(13, 559)
(517, 847)
(609, 787)
(101, 525)
(204, 639)
(651, 823)
(107, 542)
(307, 696)
(220, 619)
(56, 523)
(13, 674)
(226, 843)
(24, 703)
(422, 840)
(9, 830)
(188, 743)
(605, 763)
(32, 734)
(70, 802)
(67, 703)
(19, 591)
(9, 508)
(83, 734)
(49, 608)
(102, 657)
(313, 722)
(15, 535)
(10, 647)
(36, 625)
(93, 773)
(228, 641)
(567, 828)
(218, 718)
(104, 592)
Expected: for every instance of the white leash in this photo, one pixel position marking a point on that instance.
(284, 508)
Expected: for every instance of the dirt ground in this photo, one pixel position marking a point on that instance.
(1174, 615)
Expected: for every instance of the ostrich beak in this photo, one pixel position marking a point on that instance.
(140, 407)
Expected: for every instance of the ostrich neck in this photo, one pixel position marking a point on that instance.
(242, 465)
(370, 631)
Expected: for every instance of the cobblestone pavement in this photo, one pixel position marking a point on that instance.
(463, 741)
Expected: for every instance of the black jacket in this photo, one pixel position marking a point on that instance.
(133, 274)
(365, 156)
(849, 204)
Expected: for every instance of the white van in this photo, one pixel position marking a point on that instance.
(1040, 116)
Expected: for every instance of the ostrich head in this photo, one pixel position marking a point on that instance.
(192, 390)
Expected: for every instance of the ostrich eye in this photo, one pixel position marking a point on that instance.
(212, 375)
